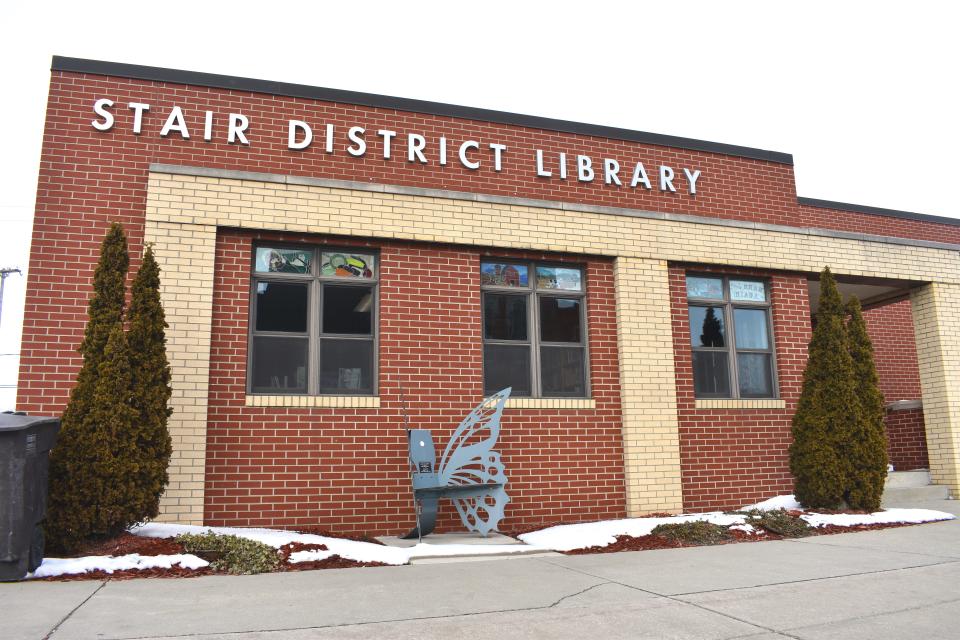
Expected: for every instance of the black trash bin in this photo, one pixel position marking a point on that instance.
(25, 443)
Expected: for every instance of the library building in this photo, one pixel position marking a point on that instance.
(338, 265)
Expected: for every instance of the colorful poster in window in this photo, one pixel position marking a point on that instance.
(559, 278)
(347, 265)
(748, 291)
(498, 274)
(270, 260)
(711, 288)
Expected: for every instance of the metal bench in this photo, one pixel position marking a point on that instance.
(469, 473)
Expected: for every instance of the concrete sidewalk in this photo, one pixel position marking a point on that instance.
(894, 583)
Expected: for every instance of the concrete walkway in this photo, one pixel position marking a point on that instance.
(896, 583)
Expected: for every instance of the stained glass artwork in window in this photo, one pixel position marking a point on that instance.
(558, 278)
(271, 260)
(711, 288)
(499, 274)
(347, 265)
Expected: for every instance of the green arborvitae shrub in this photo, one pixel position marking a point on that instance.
(150, 373)
(866, 447)
(694, 532)
(827, 410)
(231, 553)
(94, 464)
(70, 512)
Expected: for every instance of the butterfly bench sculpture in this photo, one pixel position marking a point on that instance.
(469, 473)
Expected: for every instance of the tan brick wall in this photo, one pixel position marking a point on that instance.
(184, 212)
(651, 443)
(185, 253)
(936, 317)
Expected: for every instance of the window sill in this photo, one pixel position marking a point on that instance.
(741, 403)
(551, 403)
(335, 402)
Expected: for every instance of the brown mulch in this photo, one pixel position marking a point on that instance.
(651, 542)
(317, 531)
(333, 562)
(127, 543)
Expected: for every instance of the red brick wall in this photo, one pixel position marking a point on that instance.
(891, 330)
(89, 178)
(907, 440)
(345, 469)
(732, 457)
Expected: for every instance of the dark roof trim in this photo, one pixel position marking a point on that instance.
(158, 74)
(877, 211)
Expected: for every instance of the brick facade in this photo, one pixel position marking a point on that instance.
(734, 456)
(345, 468)
(252, 460)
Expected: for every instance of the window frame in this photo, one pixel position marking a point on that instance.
(533, 341)
(315, 300)
(731, 349)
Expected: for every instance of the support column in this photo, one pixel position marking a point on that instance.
(651, 439)
(185, 253)
(936, 319)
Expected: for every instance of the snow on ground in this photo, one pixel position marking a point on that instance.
(559, 538)
(567, 537)
(349, 549)
(776, 502)
(61, 566)
(888, 516)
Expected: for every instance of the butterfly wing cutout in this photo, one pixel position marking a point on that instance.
(469, 459)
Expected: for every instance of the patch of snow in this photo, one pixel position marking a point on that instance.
(349, 549)
(62, 566)
(776, 502)
(600, 534)
(746, 528)
(888, 516)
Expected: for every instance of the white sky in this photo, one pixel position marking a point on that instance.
(863, 94)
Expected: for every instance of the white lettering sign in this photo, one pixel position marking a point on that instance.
(421, 148)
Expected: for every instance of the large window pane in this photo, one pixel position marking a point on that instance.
(705, 288)
(751, 328)
(562, 371)
(506, 366)
(270, 260)
(754, 375)
(282, 306)
(559, 319)
(346, 366)
(504, 317)
(711, 376)
(501, 274)
(706, 327)
(559, 278)
(279, 365)
(347, 309)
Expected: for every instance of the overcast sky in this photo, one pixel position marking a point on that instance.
(863, 94)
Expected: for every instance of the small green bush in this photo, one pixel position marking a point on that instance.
(696, 532)
(780, 522)
(231, 553)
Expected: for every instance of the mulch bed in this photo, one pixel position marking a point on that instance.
(651, 542)
(128, 543)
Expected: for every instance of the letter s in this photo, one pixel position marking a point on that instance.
(100, 108)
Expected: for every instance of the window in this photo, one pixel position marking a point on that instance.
(534, 329)
(312, 321)
(731, 337)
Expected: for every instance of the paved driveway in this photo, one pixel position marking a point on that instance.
(897, 583)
